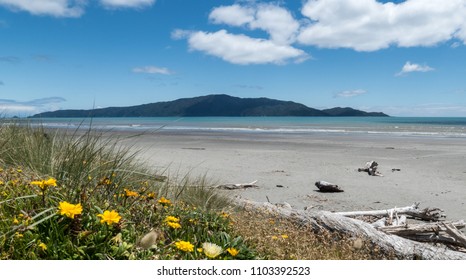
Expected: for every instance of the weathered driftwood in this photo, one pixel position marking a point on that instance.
(427, 214)
(439, 232)
(413, 229)
(390, 221)
(324, 186)
(238, 186)
(453, 231)
(371, 168)
(318, 220)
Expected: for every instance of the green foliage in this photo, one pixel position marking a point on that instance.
(211, 105)
(94, 175)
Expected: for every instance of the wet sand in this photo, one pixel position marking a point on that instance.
(286, 167)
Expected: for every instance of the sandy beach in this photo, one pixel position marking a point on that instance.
(432, 170)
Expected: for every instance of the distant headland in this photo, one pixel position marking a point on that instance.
(216, 105)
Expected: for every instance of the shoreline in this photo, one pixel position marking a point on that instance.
(286, 167)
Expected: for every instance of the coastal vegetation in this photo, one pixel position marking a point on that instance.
(82, 195)
(215, 105)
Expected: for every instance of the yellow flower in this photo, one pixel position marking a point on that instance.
(18, 235)
(109, 217)
(70, 210)
(200, 250)
(233, 252)
(184, 246)
(172, 219)
(40, 184)
(151, 195)
(225, 215)
(129, 193)
(211, 250)
(174, 225)
(51, 182)
(164, 201)
(42, 246)
(284, 236)
(274, 237)
(15, 221)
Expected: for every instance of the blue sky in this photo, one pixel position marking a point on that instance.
(405, 58)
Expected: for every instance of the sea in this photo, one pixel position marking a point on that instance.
(431, 127)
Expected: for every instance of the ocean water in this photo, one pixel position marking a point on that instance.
(383, 126)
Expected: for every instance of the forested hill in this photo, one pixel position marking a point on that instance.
(209, 106)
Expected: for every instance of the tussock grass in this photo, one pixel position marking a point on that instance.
(81, 195)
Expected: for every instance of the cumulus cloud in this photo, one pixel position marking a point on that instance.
(350, 93)
(127, 3)
(369, 25)
(241, 49)
(67, 8)
(57, 8)
(235, 15)
(413, 67)
(152, 70)
(277, 22)
(21, 108)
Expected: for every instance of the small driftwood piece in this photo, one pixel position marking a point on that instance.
(324, 186)
(371, 168)
(323, 220)
(413, 229)
(238, 186)
(453, 231)
(438, 232)
(427, 214)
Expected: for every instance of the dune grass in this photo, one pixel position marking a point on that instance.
(81, 195)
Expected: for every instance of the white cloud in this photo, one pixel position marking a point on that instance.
(11, 107)
(369, 25)
(413, 67)
(127, 3)
(234, 15)
(241, 49)
(57, 8)
(67, 8)
(275, 20)
(278, 23)
(350, 93)
(152, 70)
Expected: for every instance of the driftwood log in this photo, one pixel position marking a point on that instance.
(324, 186)
(318, 220)
(371, 168)
(427, 214)
(238, 186)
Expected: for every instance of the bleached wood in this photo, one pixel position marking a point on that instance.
(453, 231)
(428, 214)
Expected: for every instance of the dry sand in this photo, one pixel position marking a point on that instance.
(433, 171)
